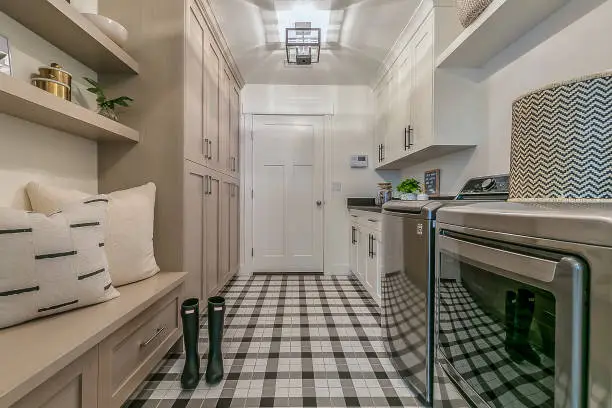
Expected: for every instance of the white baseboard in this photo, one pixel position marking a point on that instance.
(338, 269)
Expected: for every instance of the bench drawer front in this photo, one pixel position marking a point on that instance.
(129, 354)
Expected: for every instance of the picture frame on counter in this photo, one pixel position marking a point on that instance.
(5, 56)
(432, 182)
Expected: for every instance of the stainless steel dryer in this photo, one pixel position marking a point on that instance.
(408, 280)
(525, 303)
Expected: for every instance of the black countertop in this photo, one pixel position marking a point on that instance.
(375, 209)
(363, 204)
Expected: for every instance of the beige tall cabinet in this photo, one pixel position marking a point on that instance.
(187, 108)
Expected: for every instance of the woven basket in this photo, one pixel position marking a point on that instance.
(562, 142)
(469, 10)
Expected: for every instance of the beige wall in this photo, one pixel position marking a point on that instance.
(32, 152)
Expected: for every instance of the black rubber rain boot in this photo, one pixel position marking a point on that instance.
(190, 314)
(525, 307)
(510, 314)
(216, 316)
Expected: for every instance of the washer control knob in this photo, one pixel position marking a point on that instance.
(488, 184)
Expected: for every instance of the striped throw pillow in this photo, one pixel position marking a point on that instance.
(51, 264)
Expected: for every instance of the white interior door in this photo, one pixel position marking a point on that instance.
(288, 194)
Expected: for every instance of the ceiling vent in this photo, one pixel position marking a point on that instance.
(303, 44)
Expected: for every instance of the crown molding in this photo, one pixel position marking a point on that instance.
(213, 24)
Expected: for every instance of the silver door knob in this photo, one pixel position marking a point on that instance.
(319, 203)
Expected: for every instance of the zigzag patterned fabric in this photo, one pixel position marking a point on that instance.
(562, 142)
(469, 10)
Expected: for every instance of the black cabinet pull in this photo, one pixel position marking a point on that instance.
(373, 245)
(370, 245)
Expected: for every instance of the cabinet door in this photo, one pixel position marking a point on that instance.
(423, 83)
(234, 224)
(363, 253)
(374, 264)
(213, 72)
(196, 184)
(195, 147)
(394, 139)
(212, 220)
(405, 129)
(225, 119)
(75, 386)
(224, 211)
(381, 122)
(354, 250)
(235, 130)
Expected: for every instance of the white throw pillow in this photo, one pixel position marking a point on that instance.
(129, 229)
(53, 264)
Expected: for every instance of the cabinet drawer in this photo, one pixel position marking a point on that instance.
(129, 354)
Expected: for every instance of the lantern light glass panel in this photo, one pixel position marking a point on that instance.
(303, 44)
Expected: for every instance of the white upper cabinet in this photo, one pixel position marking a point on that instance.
(423, 112)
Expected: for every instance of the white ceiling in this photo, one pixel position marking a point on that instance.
(357, 35)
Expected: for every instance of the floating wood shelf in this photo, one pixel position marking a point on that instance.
(25, 101)
(63, 26)
(500, 25)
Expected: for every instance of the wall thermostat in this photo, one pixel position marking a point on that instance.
(359, 161)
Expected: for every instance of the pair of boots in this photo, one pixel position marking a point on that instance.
(190, 315)
(519, 316)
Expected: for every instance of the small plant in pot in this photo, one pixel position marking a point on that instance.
(409, 189)
(106, 107)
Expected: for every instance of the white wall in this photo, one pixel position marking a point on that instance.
(573, 42)
(349, 130)
(32, 152)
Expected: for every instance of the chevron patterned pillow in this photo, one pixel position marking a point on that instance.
(53, 264)
(562, 142)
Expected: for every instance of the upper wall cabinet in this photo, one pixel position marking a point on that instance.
(213, 101)
(423, 113)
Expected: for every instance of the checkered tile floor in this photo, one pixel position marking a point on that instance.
(290, 341)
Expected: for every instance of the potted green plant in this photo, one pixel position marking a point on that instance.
(106, 107)
(409, 189)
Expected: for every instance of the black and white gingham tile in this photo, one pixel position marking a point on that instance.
(291, 341)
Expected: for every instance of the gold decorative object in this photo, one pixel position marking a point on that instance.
(54, 87)
(54, 80)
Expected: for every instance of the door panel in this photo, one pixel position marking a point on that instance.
(404, 104)
(194, 91)
(75, 386)
(225, 118)
(363, 253)
(213, 96)
(235, 130)
(234, 237)
(224, 232)
(288, 193)
(194, 231)
(423, 77)
(212, 215)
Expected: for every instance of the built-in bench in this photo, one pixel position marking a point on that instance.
(95, 356)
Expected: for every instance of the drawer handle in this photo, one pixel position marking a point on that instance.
(157, 333)
(371, 220)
